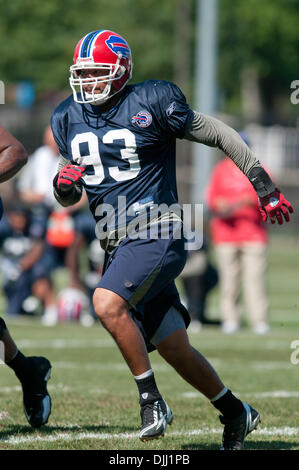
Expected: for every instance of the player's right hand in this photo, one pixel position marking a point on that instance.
(68, 177)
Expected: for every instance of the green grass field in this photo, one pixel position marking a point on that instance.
(95, 401)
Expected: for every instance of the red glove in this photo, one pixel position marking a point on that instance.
(275, 205)
(68, 176)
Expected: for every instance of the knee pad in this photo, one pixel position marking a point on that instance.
(3, 328)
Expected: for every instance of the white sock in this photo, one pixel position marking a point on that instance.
(220, 394)
(51, 310)
(144, 375)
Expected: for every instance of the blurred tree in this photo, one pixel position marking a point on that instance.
(258, 46)
(259, 43)
(38, 38)
(183, 36)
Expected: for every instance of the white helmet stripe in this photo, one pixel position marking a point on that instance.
(80, 50)
(92, 43)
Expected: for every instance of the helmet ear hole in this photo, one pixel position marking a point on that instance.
(121, 71)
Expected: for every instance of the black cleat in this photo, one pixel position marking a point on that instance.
(154, 419)
(236, 430)
(36, 399)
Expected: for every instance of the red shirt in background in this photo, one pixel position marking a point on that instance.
(228, 185)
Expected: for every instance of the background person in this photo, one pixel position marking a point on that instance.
(240, 239)
(35, 190)
(22, 244)
(33, 181)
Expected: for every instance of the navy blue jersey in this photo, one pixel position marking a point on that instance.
(130, 149)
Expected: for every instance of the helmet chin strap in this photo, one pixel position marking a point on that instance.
(102, 99)
(99, 98)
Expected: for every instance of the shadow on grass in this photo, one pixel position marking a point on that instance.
(23, 431)
(252, 445)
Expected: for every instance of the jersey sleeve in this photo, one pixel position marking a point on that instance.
(171, 108)
(59, 122)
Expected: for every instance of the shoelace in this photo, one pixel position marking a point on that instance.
(148, 411)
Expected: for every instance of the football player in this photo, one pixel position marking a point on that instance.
(33, 372)
(118, 142)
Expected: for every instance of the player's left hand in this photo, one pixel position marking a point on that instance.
(275, 206)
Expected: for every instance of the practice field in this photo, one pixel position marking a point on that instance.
(95, 401)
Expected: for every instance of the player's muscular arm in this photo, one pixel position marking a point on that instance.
(210, 131)
(12, 155)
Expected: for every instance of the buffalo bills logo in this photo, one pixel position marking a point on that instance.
(142, 119)
(118, 45)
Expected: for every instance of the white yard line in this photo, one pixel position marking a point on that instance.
(16, 388)
(119, 366)
(66, 343)
(60, 387)
(77, 436)
(108, 343)
(216, 362)
(271, 365)
(274, 394)
(270, 394)
(90, 366)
